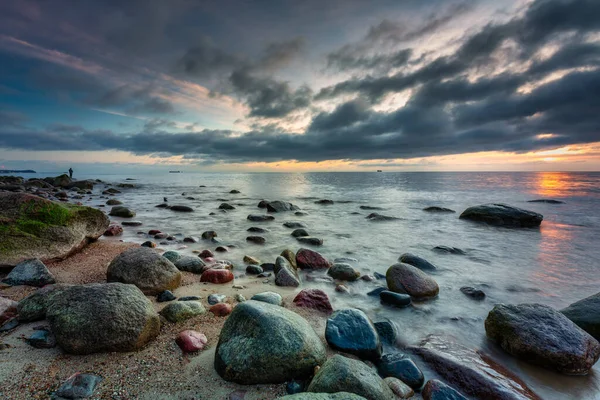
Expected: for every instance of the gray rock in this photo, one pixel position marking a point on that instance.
(182, 310)
(503, 215)
(79, 386)
(269, 297)
(416, 261)
(172, 255)
(256, 239)
(343, 272)
(165, 296)
(473, 293)
(260, 218)
(541, 335)
(143, 267)
(351, 331)
(404, 278)
(31, 273)
(313, 241)
(216, 298)
(181, 208)
(340, 373)
(33, 307)
(322, 396)
(299, 233)
(436, 209)
(256, 229)
(380, 218)
(191, 264)
(254, 270)
(226, 206)
(285, 274)
(121, 211)
(294, 224)
(264, 343)
(394, 299)
(102, 318)
(280, 206)
(586, 314)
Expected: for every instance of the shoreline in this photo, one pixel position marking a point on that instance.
(158, 371)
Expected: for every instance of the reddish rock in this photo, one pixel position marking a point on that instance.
(217, 276)
(154, 232)
(309, 259)
(206, 254)
(221, 309)
(114, 230)
(8, 309)
(190, 341)
(315, 299)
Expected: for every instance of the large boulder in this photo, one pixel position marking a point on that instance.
(29, 272)
(351, 331)
(264, 343)
(404, 278)
(102, 318)
(63, 181)
(85, 184)
(280, 206)
(586, 314)
(342, 374)
(310, 259)
(144, 268)
(503, 215)
(541, 335)
(33, 307)
(472, 372)
(32, 227)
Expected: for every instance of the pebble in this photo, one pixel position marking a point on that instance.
(394, 299)
(42, 339)
(79, 386)
(254, 270)
(473, 293)
(256, 239)
(190, 341)
(190, 298)
(216, 298)
(167, 295)
(221, 309)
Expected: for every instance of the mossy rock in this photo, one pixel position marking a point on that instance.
(33, 227)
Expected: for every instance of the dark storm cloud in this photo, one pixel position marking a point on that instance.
(206, 59)
(156, 124)
(279, 54)
(133, 99)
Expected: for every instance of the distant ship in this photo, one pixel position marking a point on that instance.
(379, 170)
(174, 172)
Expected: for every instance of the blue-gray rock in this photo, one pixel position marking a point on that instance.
(340, 373)
(79, 386)
(586, 314)
(300, 232)
(293, 387)
(394, 299)
(42, 339)
(438, 390)
(167, 295)
(398, 365)
(351, 331)
(192, 264)
(473, 293)
(216, 298)
(377, 291)
(416, 261)
(254, 270)
(387, 330)
(269, 297)
(264, 343)
(190, 298)
(172, 255)
(31, 272)
(503, 215)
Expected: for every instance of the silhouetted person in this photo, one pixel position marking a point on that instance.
(70, 172)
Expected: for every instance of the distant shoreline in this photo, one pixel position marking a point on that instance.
(18, 171)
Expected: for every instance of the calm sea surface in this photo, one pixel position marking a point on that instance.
(556, 264)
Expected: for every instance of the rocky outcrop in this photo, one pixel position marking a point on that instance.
(102, 318)
(541, 335)
(264, 343)
(32, 227)
(503, 215)
(144, 268)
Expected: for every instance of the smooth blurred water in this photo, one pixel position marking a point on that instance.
(556, 264)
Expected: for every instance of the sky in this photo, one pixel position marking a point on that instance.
(337, 85)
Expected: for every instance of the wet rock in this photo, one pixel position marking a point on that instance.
(9, 325)
(131, 223)
(340, 373)
(310, 240)
(315, 299)
(416, 261)
(181, 208)
(190, 341)
(162, 205)
(294, 387)
(449, 250)
(251, 260)
(285, 274)
(264, 343)
(404, 278)
(190, 239)
(31, 272)
(351, 331)
(153, 232)
(42, 339)
(281, 206)
(172, 255)
(310, 259)
(234, 191)
(206, 254)
(343, 272)
(400, 366)
(121, 211)
(387, 331)
(541, 335)
(294, 224)
(165, 296)
(370, 208)
(400, 389)
(144, 268)
(254, 270)
(322, 396)
(394, 299)
(380, 218)
(263, 204)
(102, 318)
(472, 372)
(269, 297)
(79, 386)
(113, 202)
(222, 249)
(377, 291)
(436, 209)
(216, 298)
(267, 266)
(300, 213)
(239, 298)
(256, 229)
(114, 230)
(547, 201)
(179, 311)
(226, 206)
(503, 215)
(161, 235)
(209, 235)
(192, 264)
(149, 244)
(260, 218)
(342, 289)
(256, 239)
(586, 314)
(221, 309)
(217, 276)
(299, 233)
(473, 293)
(437, 390)
(324, 202)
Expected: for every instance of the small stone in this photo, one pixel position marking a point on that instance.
(113, 230)
(394, 299)
(310, 240)
(251, 260)
(42, 339)
(123, 212)
(260, 218)
(299, 233)
(256, 239)
(165, 296)
(190, 239)
(79, 386)
(293, 387)
(190, 341)
(206, 254)
(324, 202)
(342, 289)
(182, 310)
(217, 276)
(221, 309)
(222, 249)
(400, 389)
(216, 298)
(269, 297)
(226, 206)
(131, 223)
(294, 225)
(377, 291)
(398, 365)
(181, 208)
(343, 272)
(171, 255)
(208, 235)
(190, 298)
(239, 298)
(254, 270)
(315, 299)
(9, 325)
(473, 293)
(256, 229)
(149, 244)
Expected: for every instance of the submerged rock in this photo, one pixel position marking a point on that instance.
(181, 208)
(435, 209)
(324, 202)
(280, 206)
(438, 390)
(313, 241)
(503, 215)
(39, 228)
(547, 201)
(144, 268)
(294, 224)
(472, 372)
(404, 278)
(586, 314)
(260, 218)
(31, 273)
(102, 318)
(226, 206)
(300, 232)
(256, 229)
(541, 335)
(122, 211)
(380, 218)
(449, 250)
(394, 299)
(473, 293)
(340, 373)
(416, 261)
(351, 331)
(343, 272)
(264, 343)
(256, 239)
(322, 396)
